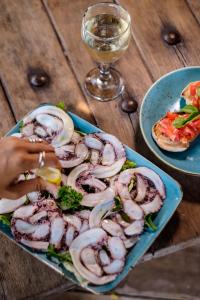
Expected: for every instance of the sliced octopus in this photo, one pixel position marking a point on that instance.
(140, 188)
(96, 265)
(93, 189)
(49, 123)
(107, 154)
(73, 153)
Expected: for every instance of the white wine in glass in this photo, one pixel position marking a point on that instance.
(106, 31)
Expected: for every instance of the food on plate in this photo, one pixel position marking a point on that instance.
(94, 211)
(176, 130)
(191, 94)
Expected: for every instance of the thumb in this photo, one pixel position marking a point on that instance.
(24, 187)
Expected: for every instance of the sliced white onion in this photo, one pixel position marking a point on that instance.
(98, 212)
(74, 174)
(108, 171)
(93, 199)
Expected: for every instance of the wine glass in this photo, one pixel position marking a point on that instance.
(106, 32)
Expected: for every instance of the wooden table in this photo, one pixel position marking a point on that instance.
(46, 35)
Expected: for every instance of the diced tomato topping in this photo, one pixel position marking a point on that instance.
(184, 134)
(171, 115)
(192, 90)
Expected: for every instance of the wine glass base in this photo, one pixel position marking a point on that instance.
(104, 90)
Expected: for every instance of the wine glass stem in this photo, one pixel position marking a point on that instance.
(104, 70)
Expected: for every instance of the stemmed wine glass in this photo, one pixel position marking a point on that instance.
(106, 31)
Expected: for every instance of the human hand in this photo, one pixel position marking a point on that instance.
(16, 157)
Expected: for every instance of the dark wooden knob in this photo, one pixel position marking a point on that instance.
(128, 104)
(172, 37)
(38, 78)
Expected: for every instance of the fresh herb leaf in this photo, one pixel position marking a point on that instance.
(61, 105)
(21, 125)
(68, 198)
(149, 222)
(181, 121)
(61, 256)
(132, 184)
(128, 165)
(5, 219)
(118, 204)
(189, 109)
(125, 217)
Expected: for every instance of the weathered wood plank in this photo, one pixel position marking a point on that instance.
(149, 19)
(28, 41)
(195, 8)
(6, 116)
(21, 275)
(108, 115)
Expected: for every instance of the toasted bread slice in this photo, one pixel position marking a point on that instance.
(165, 143)
(186, 93)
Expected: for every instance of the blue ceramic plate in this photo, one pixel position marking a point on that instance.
(163, 96)
(173, 198)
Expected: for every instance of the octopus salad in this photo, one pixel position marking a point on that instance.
(91, 219)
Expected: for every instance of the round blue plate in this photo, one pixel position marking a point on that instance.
(163, 96)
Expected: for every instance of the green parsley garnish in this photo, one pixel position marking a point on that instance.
(149, 222)
(128, 165)
(62, 256)
(61, 105)
(193, 112)
(69, 199)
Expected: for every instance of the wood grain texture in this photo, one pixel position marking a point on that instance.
(22, 275)
(66, 18)
(7, 120)
(28, 41)
(195, 8)
(149, 19)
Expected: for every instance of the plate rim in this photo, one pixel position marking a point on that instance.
(142, 128)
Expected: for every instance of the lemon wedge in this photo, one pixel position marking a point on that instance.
(49, 174)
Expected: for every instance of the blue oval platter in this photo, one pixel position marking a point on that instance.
(172, 200)
(163, 96)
